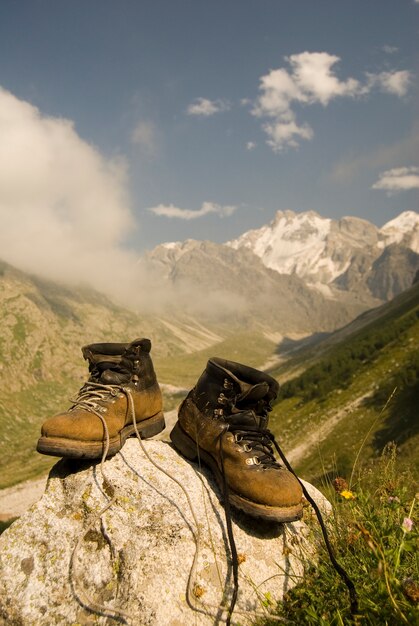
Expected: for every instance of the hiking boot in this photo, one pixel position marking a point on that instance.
(122, 393)
(223, 423)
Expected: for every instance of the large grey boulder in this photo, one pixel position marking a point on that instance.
(63, 563)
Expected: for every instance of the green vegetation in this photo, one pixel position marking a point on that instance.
(21, 416)
(337, 370)
(250, 347)
(374, 531)
(325, 421)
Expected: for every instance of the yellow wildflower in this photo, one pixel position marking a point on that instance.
(348, 495)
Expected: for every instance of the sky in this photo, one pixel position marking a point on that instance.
(128, 123)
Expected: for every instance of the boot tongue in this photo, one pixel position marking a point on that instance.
(252, 393)
(107, 369)
(114, 377)
(248, 419)
(113, 363)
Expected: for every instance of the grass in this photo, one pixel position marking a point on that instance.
(374, 531)
(338, 422)
(21, 416)
(251, 347)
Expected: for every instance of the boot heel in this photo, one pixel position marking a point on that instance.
(157, 424)
(184, 444)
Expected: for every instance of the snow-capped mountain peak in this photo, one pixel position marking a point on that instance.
(319, 249)
(402, 229)
(291, 243)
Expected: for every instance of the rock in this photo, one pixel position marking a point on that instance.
(64, 563)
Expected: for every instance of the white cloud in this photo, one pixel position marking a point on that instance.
(205, 108)
(250, 145)
(398, 179)
(144, 136)
(311, 80)
(315, 80)
(396, 83)
(186, 214)
(390, 49)
(64, 208)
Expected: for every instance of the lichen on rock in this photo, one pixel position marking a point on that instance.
(61, 563)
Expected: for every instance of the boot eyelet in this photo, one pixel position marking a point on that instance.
(247, 448)
(222, 399)
(238, 438)
(253, 460)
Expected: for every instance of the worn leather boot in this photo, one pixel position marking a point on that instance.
(223, 423)
(122, 388)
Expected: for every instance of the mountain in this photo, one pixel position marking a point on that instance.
(353, 393)
(227, 285)
(349, 254)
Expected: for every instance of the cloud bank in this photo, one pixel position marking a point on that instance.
(311, 79)
(398, 179)
(171, 211)
(64, 208)
(65, 212)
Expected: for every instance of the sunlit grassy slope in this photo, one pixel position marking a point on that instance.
(252, 348)
(328, 420)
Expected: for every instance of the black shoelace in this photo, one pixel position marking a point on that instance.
(261, 441)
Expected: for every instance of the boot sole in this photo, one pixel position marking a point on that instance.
(74, 449)
(189, 449)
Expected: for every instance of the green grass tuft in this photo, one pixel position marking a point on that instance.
(374, 531)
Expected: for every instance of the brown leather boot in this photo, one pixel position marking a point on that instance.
(223, 423)
(122, 388)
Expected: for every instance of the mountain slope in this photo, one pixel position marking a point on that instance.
(359, 389)
(349, 253)
(225, 285)
(42, 329)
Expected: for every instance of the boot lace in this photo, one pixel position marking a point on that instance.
(253, 438)
(91, 394)
(244, 426)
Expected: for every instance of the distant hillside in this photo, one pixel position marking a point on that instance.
(361, 383)
(42, 329)
(219, 283)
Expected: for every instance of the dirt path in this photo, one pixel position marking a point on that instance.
(16, 500)
(323, 431)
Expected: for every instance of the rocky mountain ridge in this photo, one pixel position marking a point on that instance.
(349, 254)
(217, 282)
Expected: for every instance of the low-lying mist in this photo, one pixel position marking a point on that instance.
(65, 214)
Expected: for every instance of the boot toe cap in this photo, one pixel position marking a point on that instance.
(78, 426)
(270, 487)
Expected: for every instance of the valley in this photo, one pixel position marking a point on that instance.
(240, 310)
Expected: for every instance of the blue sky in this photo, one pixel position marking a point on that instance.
(165, 120)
